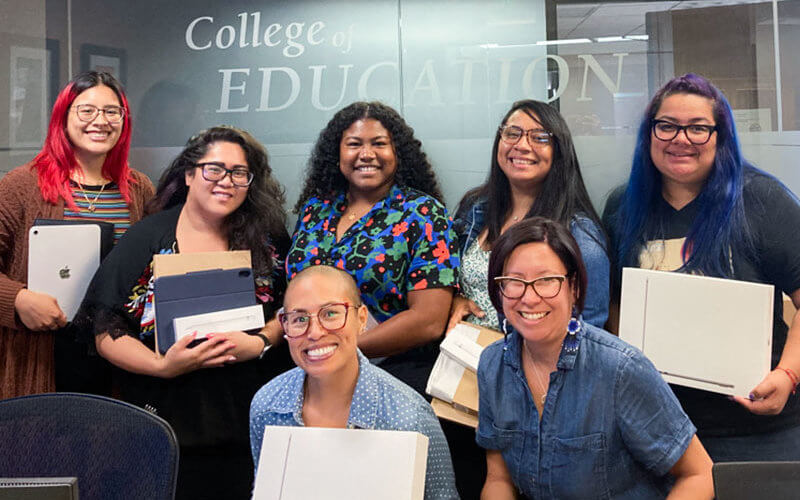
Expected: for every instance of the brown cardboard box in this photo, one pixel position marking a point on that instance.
(180, 263)
(463, 408)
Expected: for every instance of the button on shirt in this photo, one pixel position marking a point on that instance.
(611, 427)
(380, 402)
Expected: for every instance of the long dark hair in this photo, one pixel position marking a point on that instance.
(56, 161)
(259, 221)
(323, 177)
(720, 223)
(563, 193)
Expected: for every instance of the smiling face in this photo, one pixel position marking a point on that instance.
(525, 166)
(540, 321)
(367, 158)
(91, 141)
(681, 163)
(322, 353)
(221, 198)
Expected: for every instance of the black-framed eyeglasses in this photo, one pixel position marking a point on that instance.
(88, 112)
(697, 134)
(214, 171)
(331, 317)
(537, 138)
(545, 287)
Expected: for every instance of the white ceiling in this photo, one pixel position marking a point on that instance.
(596, 19)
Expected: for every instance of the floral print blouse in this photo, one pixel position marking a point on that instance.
(405, 242)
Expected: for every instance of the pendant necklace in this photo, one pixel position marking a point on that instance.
(91, 203)
(541, 384)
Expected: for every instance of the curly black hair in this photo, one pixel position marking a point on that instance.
(260, 219)
(323, 177)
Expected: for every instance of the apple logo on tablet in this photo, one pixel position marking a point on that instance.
(64, 273)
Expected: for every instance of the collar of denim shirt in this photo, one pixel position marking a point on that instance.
(512, 350)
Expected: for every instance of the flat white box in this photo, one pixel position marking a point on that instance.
(299, 463)
(229, 320)
(708, 333)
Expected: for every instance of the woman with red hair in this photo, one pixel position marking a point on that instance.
(81, 173)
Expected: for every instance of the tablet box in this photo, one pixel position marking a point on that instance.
(341, 464)
(229, 320)
(708, 333)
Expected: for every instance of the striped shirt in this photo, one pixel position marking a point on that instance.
(108, 203)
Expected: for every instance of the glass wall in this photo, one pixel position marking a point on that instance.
(281, 69)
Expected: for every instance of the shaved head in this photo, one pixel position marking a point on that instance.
(334, 274)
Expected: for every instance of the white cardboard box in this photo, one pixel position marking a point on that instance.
(708, 333)
(314, 463)
(229, 320)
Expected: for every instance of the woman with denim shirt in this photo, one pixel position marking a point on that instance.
(567, 410)
(534, 171)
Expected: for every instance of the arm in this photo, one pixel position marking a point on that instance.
(37, 311)
(461, 308)
(248, 347)
(498, 483)
(592, 243)
(692, 474)
(769, 397)
(132, 355)
(422, 322)
(431, 276)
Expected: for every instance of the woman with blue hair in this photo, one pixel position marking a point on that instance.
(693, 204)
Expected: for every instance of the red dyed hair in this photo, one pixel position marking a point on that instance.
(56, 161)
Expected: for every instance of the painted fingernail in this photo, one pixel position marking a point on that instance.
(751, 396)
(231, 358)
(209, 335)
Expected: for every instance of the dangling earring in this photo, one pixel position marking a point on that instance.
(505, 334)
(573, 327)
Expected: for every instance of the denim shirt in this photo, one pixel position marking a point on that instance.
(611, 427)
(470, 221)
(380, 401)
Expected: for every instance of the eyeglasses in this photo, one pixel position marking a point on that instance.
(695, 133)
(545, 287)
(214, 171)
(88, 112)
(331, 317)
(537, 138)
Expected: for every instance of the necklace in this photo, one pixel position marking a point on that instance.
(541, 384)
(91, 203)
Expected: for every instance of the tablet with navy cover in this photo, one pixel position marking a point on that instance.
(198, 292)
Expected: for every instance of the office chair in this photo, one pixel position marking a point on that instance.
(116, 450)
(748, 480)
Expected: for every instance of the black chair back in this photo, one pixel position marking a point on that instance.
(116, 450)
(748, 480)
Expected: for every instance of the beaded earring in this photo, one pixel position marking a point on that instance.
(571, 340)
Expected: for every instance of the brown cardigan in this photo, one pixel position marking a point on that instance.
(26, 357)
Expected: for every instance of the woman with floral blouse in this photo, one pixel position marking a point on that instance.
(370, 206)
